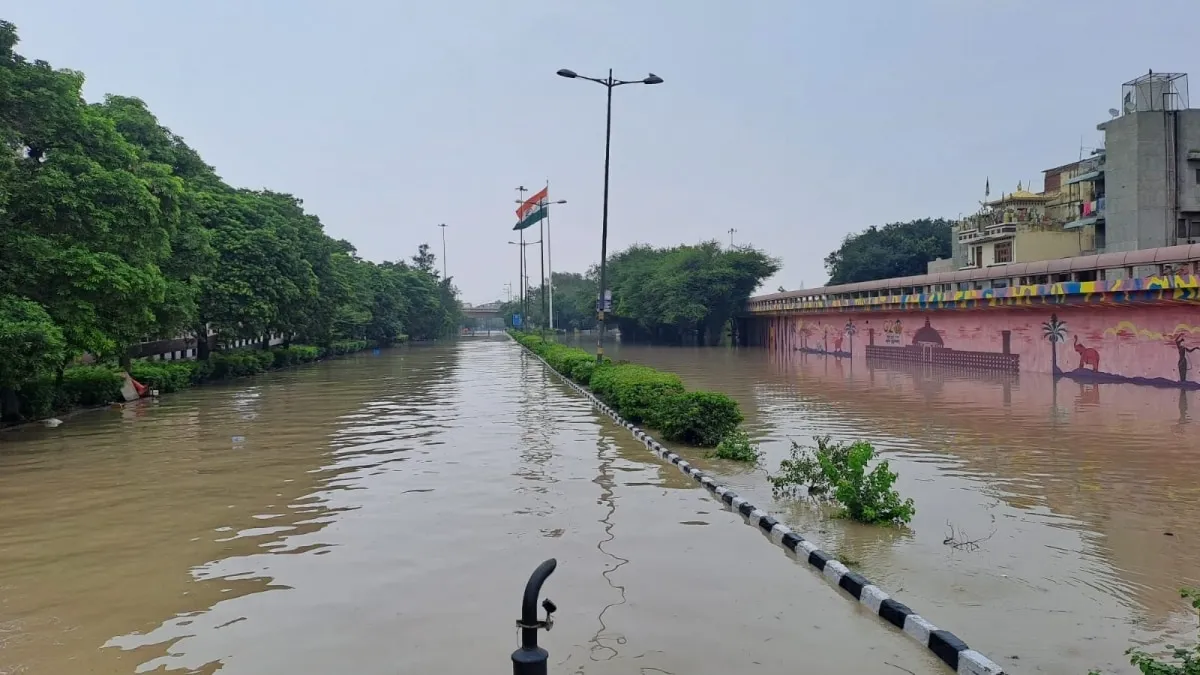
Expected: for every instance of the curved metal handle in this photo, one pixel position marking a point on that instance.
(533, 588)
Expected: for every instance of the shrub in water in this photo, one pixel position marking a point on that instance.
(36, 399)
(642, 394)
(293, 354)
(699, 418)
(637, 392)
(241, 362)
(341, 347)
(165, 376)
(838, 472)
(90, 385)
(801, 474)
(737, 447)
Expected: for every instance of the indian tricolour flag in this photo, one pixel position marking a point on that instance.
(532, 210)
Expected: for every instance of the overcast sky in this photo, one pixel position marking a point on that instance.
(794, 122)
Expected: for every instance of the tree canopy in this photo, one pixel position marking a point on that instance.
(113, 230)
(684, 293)
(676, 295)
(894, 250)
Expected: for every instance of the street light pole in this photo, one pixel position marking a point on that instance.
(524, 275)
(609, 83)
(443, 226)
(542, 249)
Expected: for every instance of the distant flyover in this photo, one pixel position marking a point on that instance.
(485, 317)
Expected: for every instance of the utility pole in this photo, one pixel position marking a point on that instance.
(731, 231)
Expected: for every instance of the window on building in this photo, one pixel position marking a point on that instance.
(1198, 175)
(1189, 228)
(977, 256)
(1002, 253)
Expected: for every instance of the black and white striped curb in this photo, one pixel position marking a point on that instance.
(946, 645)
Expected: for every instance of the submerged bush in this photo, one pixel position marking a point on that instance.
(700, 418)
(339, 348)
(737, 447)
(643, 395)
(90, 385)
(166, 376)
(801, 474)
(837, 472)
(293, 354)
(637, 392)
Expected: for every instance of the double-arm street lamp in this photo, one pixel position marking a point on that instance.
(524, 277)
(609, 84)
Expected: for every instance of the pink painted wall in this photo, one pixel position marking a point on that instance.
(1131, 341)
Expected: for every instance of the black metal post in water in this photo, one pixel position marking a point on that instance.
(531, 659)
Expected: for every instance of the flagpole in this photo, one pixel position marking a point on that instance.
(524, 313)
(549, 259)
(542, 249)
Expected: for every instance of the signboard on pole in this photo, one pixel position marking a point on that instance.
(516, 320)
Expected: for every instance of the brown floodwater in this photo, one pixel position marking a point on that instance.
(381, 514)
(1085, 499)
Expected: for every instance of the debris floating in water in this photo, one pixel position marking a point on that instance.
(52, 422)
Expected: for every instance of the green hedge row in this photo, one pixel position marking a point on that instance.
(101, 384)
(643, 395)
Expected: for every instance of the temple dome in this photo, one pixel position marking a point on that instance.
(927, 335)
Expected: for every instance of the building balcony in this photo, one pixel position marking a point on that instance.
(1089, 213)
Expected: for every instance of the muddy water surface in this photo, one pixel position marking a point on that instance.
(1084, 501)
(380, 514)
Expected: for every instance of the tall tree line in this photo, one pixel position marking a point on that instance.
(894, 250)
(684, 294)
(113, 230)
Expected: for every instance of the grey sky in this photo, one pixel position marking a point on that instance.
(794, 122)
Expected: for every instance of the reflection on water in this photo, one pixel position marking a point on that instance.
(1087, 496)
(380, 514)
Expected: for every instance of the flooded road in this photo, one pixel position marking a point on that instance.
(380, 514)
(1085, 501)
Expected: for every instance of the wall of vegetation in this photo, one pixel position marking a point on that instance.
(113, 230)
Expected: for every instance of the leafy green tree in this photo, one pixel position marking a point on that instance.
(31, 345)
(685, 293)
(113, 230)
(894, 250)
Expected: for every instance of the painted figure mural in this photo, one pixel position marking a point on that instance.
(1179, 341)
(829, 333)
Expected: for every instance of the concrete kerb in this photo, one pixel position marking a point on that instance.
(945, 645)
